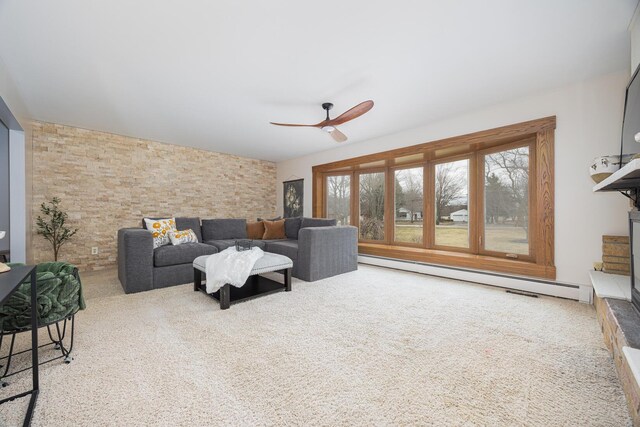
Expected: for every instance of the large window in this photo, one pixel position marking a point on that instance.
(409, 205)
(372, 206)
(482, 201)
(339, 198)
(451, 203)
(506, 201)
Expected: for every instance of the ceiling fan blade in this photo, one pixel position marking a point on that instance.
(338, 136)
(289, 124)
(353, 113)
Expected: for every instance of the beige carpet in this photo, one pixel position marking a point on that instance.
(373, 347)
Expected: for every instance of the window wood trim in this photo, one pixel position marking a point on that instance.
(459, 259)
(471, 208)
(476, 141)
(541, 210)
(531, 143)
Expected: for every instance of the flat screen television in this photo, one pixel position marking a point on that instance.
(631, 118)
(634, 243)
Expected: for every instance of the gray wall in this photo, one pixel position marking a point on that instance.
(18, 195)
(4, 185)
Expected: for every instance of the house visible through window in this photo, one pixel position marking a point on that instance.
(451, 204)
(409, 205)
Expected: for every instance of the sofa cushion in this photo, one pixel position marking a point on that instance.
(287, 248)
(292, 226)
(182, 223)
(159, 229)
(255, 230)
(317, 222)
(181, 237)
(144, 223)
(182, 254)
(193, 223)
(221, 245)
(222, 229)
(274, 229)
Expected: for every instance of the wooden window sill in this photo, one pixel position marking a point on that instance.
(459, 259)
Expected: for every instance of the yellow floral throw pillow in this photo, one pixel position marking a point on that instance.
(160, 229)
(184, 236)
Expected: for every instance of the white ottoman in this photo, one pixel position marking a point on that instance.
(255, 285)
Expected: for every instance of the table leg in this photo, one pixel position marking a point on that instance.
(225, 296)
(197, 279)
(287, 280)
(254, 281)
(34, 350)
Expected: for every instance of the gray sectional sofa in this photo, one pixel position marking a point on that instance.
(318, 248)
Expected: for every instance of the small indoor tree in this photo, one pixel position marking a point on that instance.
(52, 225)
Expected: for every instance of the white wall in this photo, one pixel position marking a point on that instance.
(589, 117)
(634, 33)
(10, 95)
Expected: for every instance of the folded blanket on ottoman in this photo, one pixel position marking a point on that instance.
(230, 266)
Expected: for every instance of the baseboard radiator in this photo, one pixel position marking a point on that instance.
(582, 293)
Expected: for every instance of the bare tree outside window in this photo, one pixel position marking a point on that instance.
(409, 205)
(452, 204)
(506, 193)
(372, 206)
(339, 198)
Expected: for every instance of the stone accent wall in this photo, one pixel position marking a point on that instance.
(619, 324)
(107, 182)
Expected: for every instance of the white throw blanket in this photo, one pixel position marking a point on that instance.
(230, 266)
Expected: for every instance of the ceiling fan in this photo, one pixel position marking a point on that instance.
(329, 125)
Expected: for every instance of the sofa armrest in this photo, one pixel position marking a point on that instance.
(326, 251)
(135, 259)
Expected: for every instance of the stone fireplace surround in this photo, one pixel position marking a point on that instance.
(620, 324)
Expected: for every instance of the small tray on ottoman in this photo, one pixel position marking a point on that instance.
(255, 285)
(244, 245)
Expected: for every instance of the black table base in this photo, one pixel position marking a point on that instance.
(254, 287)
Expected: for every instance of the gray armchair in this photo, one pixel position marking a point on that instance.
(326, 251)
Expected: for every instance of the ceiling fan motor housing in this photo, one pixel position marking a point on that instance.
(327, 106)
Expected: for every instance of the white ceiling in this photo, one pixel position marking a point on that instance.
(212, 74)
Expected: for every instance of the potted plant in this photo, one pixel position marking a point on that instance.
(52, 225)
